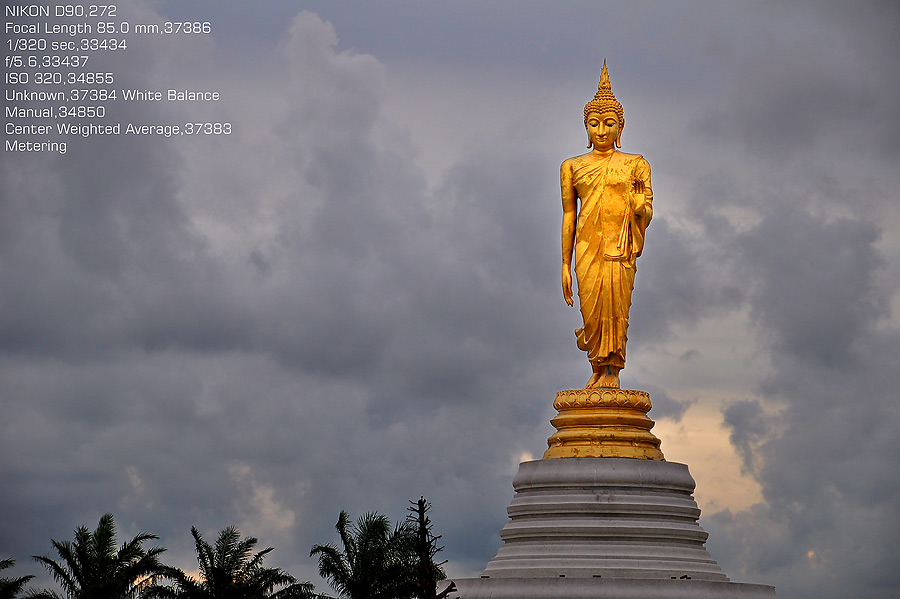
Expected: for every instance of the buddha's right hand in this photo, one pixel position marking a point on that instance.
(567, 284)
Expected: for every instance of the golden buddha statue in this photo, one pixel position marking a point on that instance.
(606, 232)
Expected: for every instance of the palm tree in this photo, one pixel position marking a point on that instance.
(11, 587)
(375, 562)
(90, 567)
(229, 570)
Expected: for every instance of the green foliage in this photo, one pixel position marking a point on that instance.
(374, 562)
(11, 587)
(230, 570)
(90, 567)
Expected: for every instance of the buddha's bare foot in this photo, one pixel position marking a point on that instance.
(594, 381)
(609, 381)
(610, 378)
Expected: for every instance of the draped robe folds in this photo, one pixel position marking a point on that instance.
(608, 238)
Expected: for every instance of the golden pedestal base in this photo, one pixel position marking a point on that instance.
(603, 423)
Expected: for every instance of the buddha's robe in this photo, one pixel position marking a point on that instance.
(608, 238)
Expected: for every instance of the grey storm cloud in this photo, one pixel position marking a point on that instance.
(838, 408)
(169, 367)
(818, 285)
(318, 314)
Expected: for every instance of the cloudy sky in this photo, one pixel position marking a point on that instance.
(354, 299)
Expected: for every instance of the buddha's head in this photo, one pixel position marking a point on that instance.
(603, 130)
(599, 111)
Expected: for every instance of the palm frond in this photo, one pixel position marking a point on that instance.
(11, 587)
(91, 566)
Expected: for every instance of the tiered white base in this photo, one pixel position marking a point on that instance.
(604, 528)
(615, 588)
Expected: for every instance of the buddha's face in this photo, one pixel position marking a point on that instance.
(603, 130)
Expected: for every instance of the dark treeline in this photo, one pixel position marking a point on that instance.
(374, 560)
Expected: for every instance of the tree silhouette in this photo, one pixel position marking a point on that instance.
(11, 587)
(90, 567)
(427, 572)
(230, 570)
(375, 562)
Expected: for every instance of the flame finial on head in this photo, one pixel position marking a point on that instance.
(604, 85)
(604, 100)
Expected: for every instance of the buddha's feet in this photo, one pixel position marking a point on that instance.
(605, 377)
(609, 381)
(603, 381)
